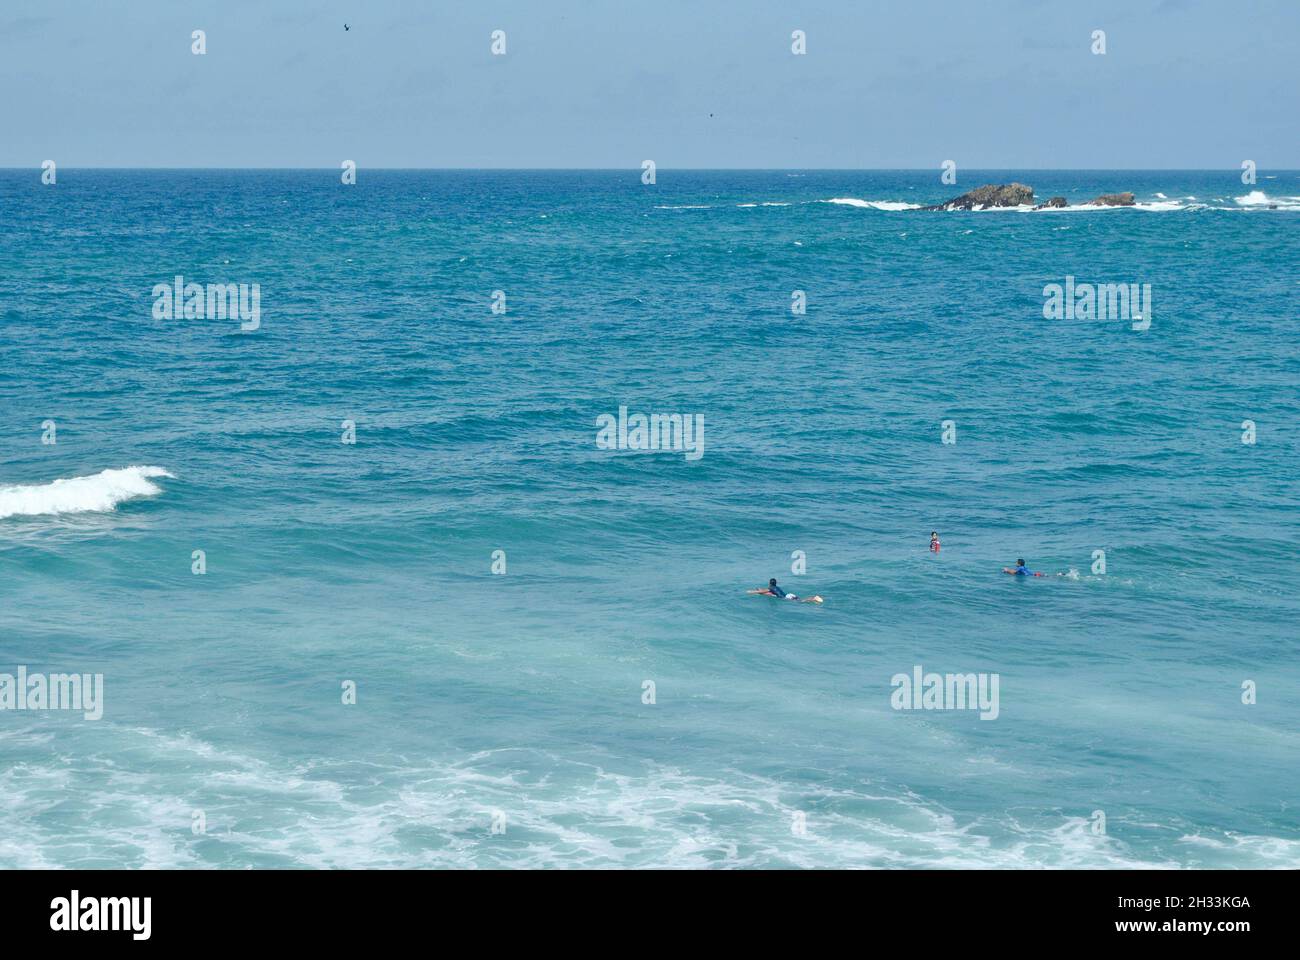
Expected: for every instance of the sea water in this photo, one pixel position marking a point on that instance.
(476, 637)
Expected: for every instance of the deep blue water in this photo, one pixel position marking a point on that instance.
(517, 698)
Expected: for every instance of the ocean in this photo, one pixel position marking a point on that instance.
(365, 590)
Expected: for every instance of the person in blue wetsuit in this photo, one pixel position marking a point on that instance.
(772, 590)
(1022, 571)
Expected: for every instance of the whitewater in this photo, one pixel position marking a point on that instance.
(97, 492)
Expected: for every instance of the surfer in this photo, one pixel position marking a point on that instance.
(1022, 571)
(772, 590)
(934, 541)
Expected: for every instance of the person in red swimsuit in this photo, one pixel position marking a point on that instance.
(934, 541)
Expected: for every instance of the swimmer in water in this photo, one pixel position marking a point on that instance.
(1022, 571)
(934, 541)
(772, 590)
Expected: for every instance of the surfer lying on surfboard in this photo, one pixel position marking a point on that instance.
(772, 590)
(1022, 571)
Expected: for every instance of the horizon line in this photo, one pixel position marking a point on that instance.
(637, 169)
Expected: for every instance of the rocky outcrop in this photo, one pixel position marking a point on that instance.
(989, 195)
(1019, 195)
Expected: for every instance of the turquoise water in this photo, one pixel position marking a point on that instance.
(516, 699)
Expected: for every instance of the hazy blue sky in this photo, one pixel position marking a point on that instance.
(687, 83)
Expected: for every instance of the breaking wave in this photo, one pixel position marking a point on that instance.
(873, 204)
(96, 492)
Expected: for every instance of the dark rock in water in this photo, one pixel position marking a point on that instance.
(1019, 195)
(989, 195)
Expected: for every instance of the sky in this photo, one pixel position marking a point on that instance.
(1001, 84)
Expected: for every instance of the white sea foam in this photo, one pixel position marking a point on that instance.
(1149, 206)
(561, 813)
(99, 491)
(1258, 198)
(873, 204)
(1160, 204)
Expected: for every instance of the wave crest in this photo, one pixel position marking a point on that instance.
(96, 492)
(873, 204)
(1258, 198)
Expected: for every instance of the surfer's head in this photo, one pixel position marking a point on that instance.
(934, 534)
(772, 582)
(1020, 563)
